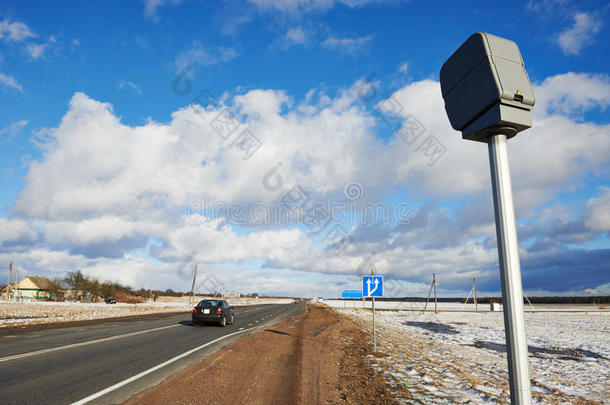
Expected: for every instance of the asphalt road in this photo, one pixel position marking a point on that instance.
(68, 364)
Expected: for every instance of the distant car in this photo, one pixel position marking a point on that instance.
(110, 301)
(320, 300)
(213, 311)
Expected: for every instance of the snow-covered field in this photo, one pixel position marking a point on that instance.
(15, 314)
(460, 357)
(452, 306)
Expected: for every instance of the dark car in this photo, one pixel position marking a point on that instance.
(213, 311)
(110, 301)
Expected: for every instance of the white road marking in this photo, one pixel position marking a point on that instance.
(245, 312)
(90, 342)
(150, 370)
(241, 328)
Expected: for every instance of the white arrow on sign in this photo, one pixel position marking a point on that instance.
(368, 282)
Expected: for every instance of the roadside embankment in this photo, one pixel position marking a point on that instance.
(317, 358)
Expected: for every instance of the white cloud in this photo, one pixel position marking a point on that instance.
(603, 289)
(572, 93)
(15, 231)
(52, 44)
(14, 31)
(586, 26)
(198, 55)
(134, 87)
(128, 183)
(151, 7)
(97, 230)
(568, 153)
(7, 81)
(347, 45)
(297, 7)
(14, 128)
(295, 36)
(36, 51)
(598, 211)
(321, 147)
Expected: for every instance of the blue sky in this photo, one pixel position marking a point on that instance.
(105, 156)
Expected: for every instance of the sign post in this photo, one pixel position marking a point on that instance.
(372, 286)
(488, 96)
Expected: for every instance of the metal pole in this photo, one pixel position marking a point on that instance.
(510, 272)
(374, 340)
(373, 308)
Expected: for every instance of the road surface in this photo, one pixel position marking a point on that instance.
(110, 361)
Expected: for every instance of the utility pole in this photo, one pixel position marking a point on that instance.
(429, 293)
(193, 286)
(474, 288)
(435, 301)
(8, 285)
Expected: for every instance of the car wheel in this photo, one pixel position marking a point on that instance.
(232, 320)
(223, 322)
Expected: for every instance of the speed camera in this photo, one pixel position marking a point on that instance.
(486, 88)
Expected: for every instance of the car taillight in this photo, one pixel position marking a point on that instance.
(194, 310)
(219, 311)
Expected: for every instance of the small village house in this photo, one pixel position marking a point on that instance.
(32, 288)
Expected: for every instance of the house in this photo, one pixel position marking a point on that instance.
(33, 288)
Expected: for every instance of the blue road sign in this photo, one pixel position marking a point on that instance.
(351, 294)
(372, 286)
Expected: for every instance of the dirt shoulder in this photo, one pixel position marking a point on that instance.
(317, 358)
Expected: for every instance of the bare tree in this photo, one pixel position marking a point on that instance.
(55, 289)
(107, 290)
(76, 281)
(91, 287)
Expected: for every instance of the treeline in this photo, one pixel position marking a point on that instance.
(79, 287)
(555, 300)
(605, 299)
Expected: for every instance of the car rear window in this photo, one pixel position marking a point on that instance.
(208, 303)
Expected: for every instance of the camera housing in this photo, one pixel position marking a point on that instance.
(486, 88)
